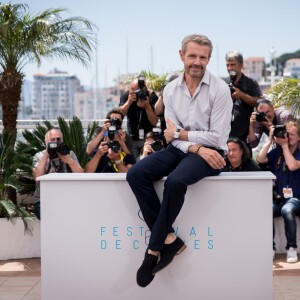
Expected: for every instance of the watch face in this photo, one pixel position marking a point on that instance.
(176, 135)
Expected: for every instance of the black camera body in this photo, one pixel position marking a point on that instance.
(114, 146)
(54, 148)
(280, 131)
(232, 90)
(261, 117)
(142, 93)
(157, 144)
(233, 77)
(116, 122)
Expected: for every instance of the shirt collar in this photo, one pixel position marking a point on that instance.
(205, 79)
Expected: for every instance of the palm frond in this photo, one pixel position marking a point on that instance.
(286, 93)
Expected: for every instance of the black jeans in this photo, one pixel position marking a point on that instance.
(182, 169)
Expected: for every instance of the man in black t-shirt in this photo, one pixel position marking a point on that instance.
(244, 92)
(138, 105)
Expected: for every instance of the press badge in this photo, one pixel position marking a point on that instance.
(141, 134)
(287, 192)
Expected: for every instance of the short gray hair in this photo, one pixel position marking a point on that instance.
(232, 55)
(201, 40)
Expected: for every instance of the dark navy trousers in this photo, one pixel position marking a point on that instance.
(181, 169)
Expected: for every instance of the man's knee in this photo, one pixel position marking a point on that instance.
(288, 213)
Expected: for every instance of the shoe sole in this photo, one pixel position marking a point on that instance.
(177, 253)
(181, 249)
(292, 261)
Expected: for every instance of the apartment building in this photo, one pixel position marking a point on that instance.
(53, 95)
(292, 68)
(254, 67)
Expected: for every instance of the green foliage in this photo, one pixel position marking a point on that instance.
(9, 164)
(286, 93)
(73, 134)
(286, 56)
(154, 82)
(75, 138)
(25, 37)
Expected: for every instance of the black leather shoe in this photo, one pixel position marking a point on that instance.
(144, 274)
(168, 252)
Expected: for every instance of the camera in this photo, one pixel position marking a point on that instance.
(157, 144)
(54, 148)
(233, 77)
(114, 146)
(261, 117)
(142, 93)
(280, 131)
(112, 130)
(116, 122)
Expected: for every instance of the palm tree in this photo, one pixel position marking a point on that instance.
(286, 92)
(27, 38)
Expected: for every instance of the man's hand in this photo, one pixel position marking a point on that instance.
(131, 96)
(253, 118)
(169, 132)
(144, 103)
(212, 157)
(105, 126)
(103, 148)
(147, 149)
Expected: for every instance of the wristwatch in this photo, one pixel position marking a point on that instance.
(117, 162)
(176, 134)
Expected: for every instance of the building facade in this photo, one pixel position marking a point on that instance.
(292, 68)
(53, 95)
(254, 67)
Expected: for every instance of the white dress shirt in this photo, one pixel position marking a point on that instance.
(206, 116)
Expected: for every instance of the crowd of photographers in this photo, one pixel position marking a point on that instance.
(114, 150)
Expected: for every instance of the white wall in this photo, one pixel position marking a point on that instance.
(93, 240)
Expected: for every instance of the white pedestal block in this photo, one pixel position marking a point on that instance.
(93, 239)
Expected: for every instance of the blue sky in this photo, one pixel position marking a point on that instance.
(251, 27)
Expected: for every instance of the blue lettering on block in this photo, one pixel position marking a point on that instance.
(196, 244)
(141, 230)
(209, 232)
(135, 244)
(115, 231)
(193, 232)
(118, 244)
(129, 231)
(102, 230)
(103, 244)
(210, 244)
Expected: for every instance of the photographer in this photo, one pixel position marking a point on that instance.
(244, 93)
(114, 117)
(56, 158)
(264, 117)
(153, 142)
(110, 156)
(138, 104)
(284, 161)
